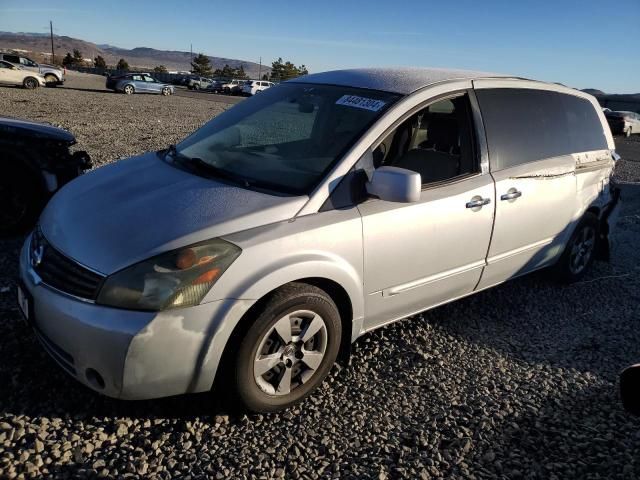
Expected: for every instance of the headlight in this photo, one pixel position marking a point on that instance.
(180, 278)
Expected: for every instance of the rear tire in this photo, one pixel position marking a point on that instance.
(298, 334)
(580, 250)
(129, 90)
(21, 198)
(30, 83)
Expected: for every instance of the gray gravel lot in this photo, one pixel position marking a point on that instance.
(109, 125)
(516, 382)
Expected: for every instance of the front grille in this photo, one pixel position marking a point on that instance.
(60, 272)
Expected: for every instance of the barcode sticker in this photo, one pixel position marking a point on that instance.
(361, 102)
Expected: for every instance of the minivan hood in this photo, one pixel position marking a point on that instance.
(130, 210)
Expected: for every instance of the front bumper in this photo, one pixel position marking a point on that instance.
(138, 355)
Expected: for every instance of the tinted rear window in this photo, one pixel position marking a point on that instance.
(525, 125)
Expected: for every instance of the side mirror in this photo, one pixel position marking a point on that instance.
(395, 184)
(630, 389)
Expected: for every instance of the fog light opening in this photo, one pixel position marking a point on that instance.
(94, 379)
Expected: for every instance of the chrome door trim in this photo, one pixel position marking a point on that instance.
(510, 253)
(389, 292)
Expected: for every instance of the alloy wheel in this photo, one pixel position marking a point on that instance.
(582, 249)
(291, 352)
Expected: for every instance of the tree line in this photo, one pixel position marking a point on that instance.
(201, 65)
(280, 70)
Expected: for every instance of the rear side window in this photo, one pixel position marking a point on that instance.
(525, 125)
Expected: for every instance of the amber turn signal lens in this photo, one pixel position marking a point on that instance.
(207, 277)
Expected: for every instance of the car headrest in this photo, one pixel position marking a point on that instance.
(442, 134)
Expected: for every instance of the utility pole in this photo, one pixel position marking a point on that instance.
(53, 55)
(260, 70)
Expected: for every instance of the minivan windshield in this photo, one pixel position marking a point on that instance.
(285, 139)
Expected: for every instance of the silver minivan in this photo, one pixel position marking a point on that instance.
(252, 254)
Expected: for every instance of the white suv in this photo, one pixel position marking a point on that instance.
(252, 87)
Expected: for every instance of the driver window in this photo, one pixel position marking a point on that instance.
(437, 142)
(148, 79)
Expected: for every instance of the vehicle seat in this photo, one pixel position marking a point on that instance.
(442, 134)
(438, 158)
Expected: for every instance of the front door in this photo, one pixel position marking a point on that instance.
(426, 253)
(139, 83)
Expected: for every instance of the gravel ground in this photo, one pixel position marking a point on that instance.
(108, 125)
(516, 382)
(628, 169)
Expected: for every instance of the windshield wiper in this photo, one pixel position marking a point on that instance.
(198, 165)
(203, 166)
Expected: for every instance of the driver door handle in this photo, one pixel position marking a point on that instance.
(511, 195)
(478, 202)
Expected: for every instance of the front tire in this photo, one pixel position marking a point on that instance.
(580, 250)
(52, 80)
(166, 91)
(288, 350)
(30, 83)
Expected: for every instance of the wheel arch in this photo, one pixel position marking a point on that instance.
(333, 289)
(52, 74)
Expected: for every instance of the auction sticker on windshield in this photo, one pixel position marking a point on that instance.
(361, 102)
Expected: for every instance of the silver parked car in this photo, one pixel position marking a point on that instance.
(131, 83)
(253, 253)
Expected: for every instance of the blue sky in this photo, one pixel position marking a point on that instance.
(586, 43)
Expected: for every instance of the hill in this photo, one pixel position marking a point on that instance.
(39, 46)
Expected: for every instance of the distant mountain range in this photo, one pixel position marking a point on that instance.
(39, 45)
